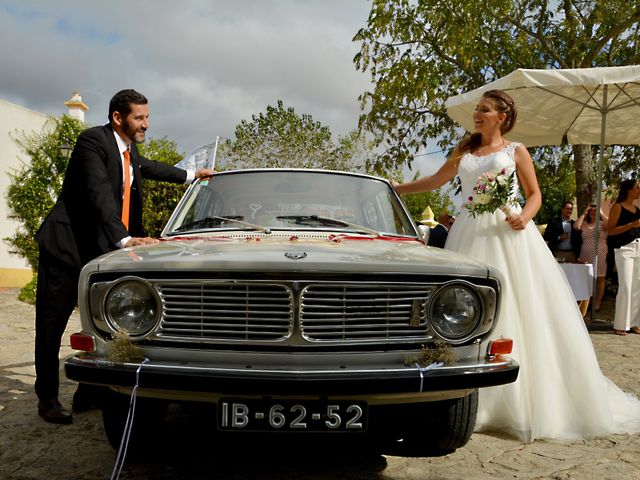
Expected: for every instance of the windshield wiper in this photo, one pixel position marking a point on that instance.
(216, 220)
(327, 221)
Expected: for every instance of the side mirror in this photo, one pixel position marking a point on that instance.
(424, 232)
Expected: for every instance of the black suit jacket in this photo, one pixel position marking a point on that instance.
(85, 221)
(554, 230)
(438, 236)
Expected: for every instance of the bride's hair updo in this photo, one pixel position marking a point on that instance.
(503, 103)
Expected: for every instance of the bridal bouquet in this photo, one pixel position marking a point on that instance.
(493, 190)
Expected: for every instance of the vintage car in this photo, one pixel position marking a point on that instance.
(291, 301)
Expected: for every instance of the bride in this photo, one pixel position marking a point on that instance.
(560, 392)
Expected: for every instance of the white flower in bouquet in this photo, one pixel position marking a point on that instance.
(493, 191)
(502, 180)
(482, 198)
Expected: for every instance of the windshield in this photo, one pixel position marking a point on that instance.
(268, 200)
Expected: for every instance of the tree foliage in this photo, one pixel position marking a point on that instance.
(34, 187)
(279, 137)
(438, 200)
(421, 52)
(620, 163)
(160, 198)
(556, 177)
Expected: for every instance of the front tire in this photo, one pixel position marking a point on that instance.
(148, 418)
(451, 429)
(431, 429)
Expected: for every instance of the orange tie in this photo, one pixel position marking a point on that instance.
(127, 189)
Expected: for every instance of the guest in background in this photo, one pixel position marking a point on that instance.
(439, 233)
(563, 241)
(586, 224)
(624, 236)
(452, 219)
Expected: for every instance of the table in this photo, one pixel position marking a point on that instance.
(580, 277)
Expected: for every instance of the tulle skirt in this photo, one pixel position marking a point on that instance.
(560, 392)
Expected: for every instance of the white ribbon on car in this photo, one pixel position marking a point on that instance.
(124, 443)
(421, 371)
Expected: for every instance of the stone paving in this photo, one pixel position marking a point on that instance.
(33, 449)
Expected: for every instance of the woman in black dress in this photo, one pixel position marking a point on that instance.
(624, 234)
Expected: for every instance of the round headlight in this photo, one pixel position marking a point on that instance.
(455, 312)
(132, 307)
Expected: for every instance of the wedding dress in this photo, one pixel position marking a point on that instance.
(560, 392)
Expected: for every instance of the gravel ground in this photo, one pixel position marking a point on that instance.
(33, 449)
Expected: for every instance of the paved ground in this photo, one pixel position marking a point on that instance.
(32, 449)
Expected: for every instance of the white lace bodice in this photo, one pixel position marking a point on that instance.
(471, 167)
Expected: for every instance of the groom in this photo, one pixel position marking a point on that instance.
(98, 210)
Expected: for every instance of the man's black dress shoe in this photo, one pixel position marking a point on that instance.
(53, 412)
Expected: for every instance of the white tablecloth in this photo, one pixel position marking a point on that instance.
(580, 277)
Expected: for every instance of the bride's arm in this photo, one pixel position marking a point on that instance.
(445, 173)
(529, 182)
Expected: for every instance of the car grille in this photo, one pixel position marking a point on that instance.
(267, 312)
(362, 312)
(227, 311)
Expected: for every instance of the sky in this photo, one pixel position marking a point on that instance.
(203, 65)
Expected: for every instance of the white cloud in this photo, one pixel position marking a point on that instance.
(204, 65)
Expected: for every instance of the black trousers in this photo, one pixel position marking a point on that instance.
(56, 297)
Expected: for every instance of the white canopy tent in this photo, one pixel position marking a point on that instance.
(592, 106)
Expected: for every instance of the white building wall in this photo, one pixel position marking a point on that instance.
(14, 120)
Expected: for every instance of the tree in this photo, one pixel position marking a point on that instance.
(620, 163)
(556, 177)
(421, 52)
(438, 200)
(34, 188)
(280, 137)
(160, 198)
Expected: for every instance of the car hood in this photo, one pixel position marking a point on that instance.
(291, 253)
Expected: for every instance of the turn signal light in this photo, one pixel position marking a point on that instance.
(501, 346)
(80, 341)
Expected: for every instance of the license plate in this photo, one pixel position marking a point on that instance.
(291, 415)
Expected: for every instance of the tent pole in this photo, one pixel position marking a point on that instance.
(603, 126)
